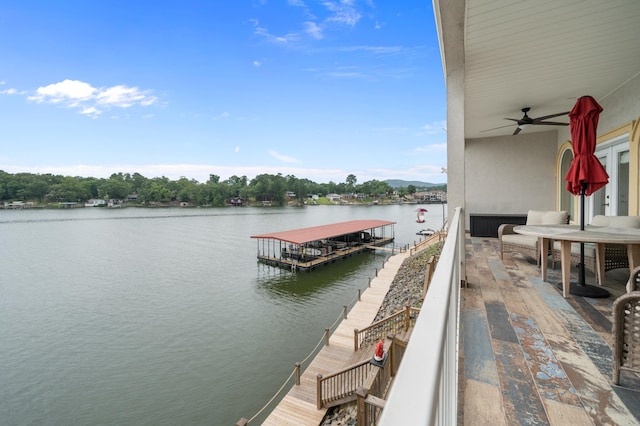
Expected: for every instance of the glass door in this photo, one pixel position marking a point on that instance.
(613, 199)
(600, 201)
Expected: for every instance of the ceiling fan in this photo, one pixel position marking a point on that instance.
(527, 121)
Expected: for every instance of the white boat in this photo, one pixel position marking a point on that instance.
(426, 232)
(95, 203)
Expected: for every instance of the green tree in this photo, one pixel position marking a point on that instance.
(116, 187)
(351, 182)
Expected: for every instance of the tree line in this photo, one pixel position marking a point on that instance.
(49, 188)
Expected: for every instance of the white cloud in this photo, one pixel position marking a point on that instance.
(433, 128)
(66, 91)
(344, 74)
(343, 12)
(378, 50)
(313, 30)
(282, 157)
(434, 147)
(91, 112)
(85, 97)
(237, 149)
(257, 63)
(10, 91)
(222, 116)
(264, 33)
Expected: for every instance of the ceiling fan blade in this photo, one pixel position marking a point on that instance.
(517, 131)
(550, 116)
(495, 128)
(512, 119)
(550, 123)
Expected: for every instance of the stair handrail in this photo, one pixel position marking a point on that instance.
(342, 384)
(385, 326)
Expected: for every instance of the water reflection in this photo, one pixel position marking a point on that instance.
(280, 283)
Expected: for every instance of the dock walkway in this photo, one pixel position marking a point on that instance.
(298, 407)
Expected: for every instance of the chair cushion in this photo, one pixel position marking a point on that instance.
(521, 240)
(616, 221)
(546, 217)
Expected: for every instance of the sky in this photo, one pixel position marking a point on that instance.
(315, 89)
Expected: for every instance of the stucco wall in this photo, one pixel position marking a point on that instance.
(510, 174)
(619, 108)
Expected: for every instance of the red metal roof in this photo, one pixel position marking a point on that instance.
(315, 233)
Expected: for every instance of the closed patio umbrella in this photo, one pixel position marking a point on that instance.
(586, 174)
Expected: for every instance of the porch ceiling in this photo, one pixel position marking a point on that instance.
(544, 54)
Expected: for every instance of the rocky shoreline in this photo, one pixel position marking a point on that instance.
(405, 290)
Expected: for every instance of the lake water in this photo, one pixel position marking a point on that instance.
(163, 316)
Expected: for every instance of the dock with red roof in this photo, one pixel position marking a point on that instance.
(307, 248)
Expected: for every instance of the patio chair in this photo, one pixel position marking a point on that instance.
(615, 255)
(634, 280)
(626, 334)
(528, 245)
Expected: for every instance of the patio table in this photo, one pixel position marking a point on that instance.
(567, 234)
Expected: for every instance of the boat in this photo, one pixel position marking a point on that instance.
(426, 232)
(421, 213)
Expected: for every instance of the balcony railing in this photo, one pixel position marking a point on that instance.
(425, 389)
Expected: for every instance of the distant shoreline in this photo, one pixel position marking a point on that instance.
(76, 205)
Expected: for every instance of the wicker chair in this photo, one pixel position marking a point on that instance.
(634, 280)
(528, 245)
(590, 263)
(626, 334)
(615, 255)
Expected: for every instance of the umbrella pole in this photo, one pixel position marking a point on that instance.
(580, 288)
(581, 277)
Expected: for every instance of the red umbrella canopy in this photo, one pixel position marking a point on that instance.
(585, 167)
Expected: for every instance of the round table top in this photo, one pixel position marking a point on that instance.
(591, 234)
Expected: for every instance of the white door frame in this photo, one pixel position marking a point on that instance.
(608, 154)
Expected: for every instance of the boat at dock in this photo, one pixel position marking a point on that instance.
(306, 248)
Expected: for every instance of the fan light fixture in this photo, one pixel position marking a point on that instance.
(527, 121)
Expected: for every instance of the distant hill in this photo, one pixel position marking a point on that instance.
(399, 183)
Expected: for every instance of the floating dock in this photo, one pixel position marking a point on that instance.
(307, 248)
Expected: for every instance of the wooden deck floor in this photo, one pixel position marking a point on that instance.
(298, 407)
(529, 356)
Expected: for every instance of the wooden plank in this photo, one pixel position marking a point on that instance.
(519, 396)
(480, 405)
(499, 324)
(550, 379)
(589, 341)
(601, 403)
(563, 414)
(480, 364)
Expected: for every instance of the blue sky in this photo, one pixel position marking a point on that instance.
(316, 89)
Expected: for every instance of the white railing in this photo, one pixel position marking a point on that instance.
(425, 390)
